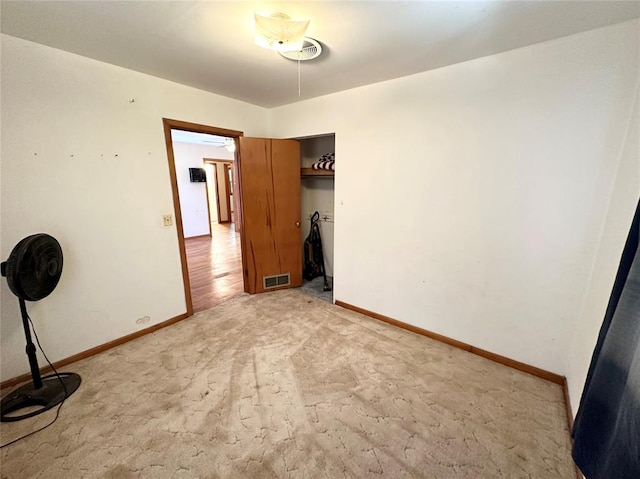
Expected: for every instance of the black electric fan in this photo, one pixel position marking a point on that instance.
(33, 271)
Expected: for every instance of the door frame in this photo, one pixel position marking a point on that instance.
(227, 187)
(226, 164)
(168, 125)
(215, 178)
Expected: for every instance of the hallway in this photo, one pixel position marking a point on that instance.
(215, 266)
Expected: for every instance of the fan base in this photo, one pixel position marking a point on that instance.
(49, 395)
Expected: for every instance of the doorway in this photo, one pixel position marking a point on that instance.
(221, 184)
(267, 197)
(210, 243)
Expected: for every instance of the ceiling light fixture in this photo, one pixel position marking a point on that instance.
(311, 49)
(278, 32)
(230, 144)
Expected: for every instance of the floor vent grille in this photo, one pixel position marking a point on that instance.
(276, 281)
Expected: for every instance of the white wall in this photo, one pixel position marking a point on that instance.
(469, 199)
(317, 194)
(193, 196)
(622, 202)
(82, 162)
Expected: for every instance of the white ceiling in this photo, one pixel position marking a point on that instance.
(198, 138)
(209, 45)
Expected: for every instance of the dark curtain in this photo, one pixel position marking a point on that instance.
(606, 432)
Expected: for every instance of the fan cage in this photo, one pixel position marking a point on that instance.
(311, 49)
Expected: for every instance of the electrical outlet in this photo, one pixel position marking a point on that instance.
(167, 220)
(143, 320)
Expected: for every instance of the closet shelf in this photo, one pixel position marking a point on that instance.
(304, 172)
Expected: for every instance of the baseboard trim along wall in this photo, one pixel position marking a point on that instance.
(199, 236)
(527, 368)
(93, 351)
(567, 401)
(541, 373)
(567, 405)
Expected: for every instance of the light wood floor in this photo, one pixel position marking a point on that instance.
(215, 266)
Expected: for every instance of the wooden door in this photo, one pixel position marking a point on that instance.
(270, 202)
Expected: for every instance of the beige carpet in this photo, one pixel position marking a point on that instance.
(286, 385)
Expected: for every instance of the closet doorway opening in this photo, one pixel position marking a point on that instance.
(203, 167)
(317, 192)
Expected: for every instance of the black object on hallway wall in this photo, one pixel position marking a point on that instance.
(197, 175)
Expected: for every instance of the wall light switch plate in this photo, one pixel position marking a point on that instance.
(167, 220)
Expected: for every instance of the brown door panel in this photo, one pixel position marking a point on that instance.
(270, 210)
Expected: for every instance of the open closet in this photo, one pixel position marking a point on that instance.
(317, 173)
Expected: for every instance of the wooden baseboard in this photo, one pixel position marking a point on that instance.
(567, 402)
(541, 373)
(93, 351)
(208, 235)
(567, 405)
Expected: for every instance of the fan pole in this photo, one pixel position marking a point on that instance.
(32, 271)
(31, 348)
(45, 392)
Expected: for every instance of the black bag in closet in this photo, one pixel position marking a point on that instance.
(313, 256)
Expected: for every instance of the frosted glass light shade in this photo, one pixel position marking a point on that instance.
(278, 32)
